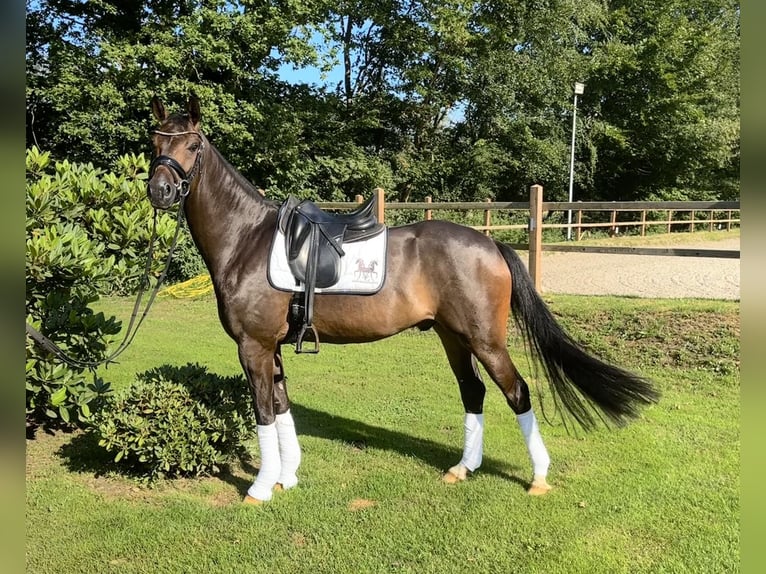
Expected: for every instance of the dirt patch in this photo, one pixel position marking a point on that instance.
(649, 276)
(361, 504)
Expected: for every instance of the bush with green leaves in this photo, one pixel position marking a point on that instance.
(63, 268)
(110, 208)
(176, 421)
(86, 231)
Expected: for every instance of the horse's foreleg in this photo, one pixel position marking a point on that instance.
(472, 391)
(258, 364)
(289, 449)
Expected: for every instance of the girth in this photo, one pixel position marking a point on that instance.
(314, 245)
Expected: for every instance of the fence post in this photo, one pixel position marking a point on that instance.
(692, 222)
(535, 234)
(380, 205)
(711, 217)
(670, 219)
(578, 229)
(728, 220)
(487, 218)
(359, 198)
(429, 213)
(643, 222)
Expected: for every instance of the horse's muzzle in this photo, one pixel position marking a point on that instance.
(163, 188)
(162, 191)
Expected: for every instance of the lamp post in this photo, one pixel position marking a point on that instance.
(579, 88)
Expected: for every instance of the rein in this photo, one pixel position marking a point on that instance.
(182, 191)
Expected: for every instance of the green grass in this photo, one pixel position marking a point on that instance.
(378, 424)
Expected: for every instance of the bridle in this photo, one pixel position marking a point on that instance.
(182, 191)
(184, 179)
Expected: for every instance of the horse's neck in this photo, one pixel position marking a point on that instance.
(222, 210)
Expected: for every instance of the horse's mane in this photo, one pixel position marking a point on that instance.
(180, 122)
(239, 179)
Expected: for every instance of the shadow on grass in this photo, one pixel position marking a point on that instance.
(319, 424)
(83, 454)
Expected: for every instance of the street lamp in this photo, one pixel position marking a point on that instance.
(578, 90)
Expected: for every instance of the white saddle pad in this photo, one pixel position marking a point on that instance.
(363, 267)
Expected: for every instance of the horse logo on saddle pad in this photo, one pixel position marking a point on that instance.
(314, 251)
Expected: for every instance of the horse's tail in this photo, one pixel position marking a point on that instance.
(569, 368)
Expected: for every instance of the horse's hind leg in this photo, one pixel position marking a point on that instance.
(499, 366)
(289, 449)
(472, 391)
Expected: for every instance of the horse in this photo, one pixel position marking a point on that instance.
(439, 275)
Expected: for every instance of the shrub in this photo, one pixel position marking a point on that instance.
(86, 234)
(176, 422)
(56, 393)
(64, 267)
(111, 209)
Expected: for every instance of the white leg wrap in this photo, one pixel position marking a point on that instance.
(270, 463)
(289, 450)
(473, 448)
(538, 454)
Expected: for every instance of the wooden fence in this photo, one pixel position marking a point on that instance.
(536, 207)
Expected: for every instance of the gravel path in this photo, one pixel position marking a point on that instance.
(644, 275)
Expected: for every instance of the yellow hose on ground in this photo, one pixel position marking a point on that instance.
(194, 287)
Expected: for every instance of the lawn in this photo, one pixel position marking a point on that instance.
(380, 422)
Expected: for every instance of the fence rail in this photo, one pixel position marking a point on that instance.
(535, 224)
(671, 251)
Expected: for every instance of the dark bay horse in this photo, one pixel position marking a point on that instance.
(439, 275)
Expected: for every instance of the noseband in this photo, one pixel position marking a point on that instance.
(184, 179)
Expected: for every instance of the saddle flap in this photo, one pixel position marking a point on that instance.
(326, 259)
(285, 212)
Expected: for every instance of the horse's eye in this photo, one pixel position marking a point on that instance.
(194, 147)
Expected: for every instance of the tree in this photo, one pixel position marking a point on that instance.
(93, 67)
(518, 112)
(664, 98)
(438, 97)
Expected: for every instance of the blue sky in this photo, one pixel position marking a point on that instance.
(310, 75)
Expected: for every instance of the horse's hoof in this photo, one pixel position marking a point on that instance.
(450, 478)
(278, 487)
(252, 501)
(539, 486)
(457, 473)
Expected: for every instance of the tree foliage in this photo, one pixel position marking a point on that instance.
(454, 99)
(667, 116)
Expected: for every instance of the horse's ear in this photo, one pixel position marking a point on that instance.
(193, 108)
(158, 109)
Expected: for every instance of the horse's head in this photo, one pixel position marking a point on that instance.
(178, 146)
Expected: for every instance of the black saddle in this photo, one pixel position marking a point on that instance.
(314, 244)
